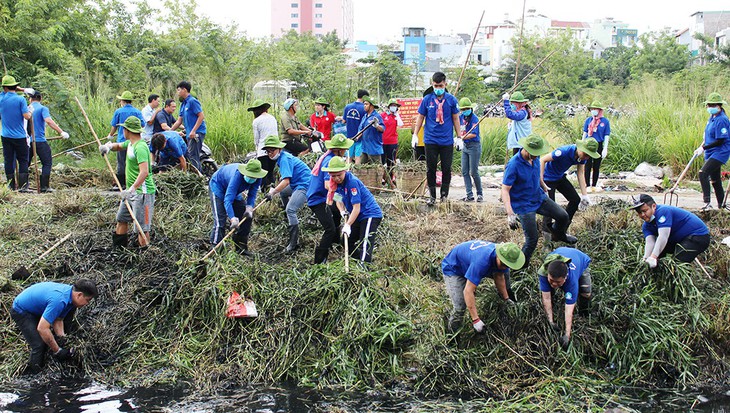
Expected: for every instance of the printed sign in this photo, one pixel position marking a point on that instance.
(408, 111)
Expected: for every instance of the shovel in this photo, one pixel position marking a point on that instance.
(23, 273)
(347, 254)
(672, 196)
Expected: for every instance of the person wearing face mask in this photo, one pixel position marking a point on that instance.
(517, 109)
(670, 230)
(226, 190)
(524, 197)
(291, 130)
(322, 118)
(372, 137)
(295, 178)
(716, 148)
(598, 128)
(392, 121)
(353, 115)
(553, 168)
(438, 113)
(472, 152)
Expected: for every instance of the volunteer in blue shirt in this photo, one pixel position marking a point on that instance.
(192, 116)
(168, 150)
(353, 116)
(358, 207)
(41, 117)
(227, 186)
(328, 215)
(517, 109)
(466, 265)
(372, 137)
(598, 128)
(716, 148)
(13, 111)
(670, 230)
(439, 116)
(295, 177)
(524, 197)
(553, 168)
(472, 152)
(43, 312)
(567, 269)
(120, 115)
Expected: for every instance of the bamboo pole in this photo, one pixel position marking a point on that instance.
(468, 54)
(71, 149)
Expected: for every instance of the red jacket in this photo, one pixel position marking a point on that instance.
(390, 136)
(323, 124)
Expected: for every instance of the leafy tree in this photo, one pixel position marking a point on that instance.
(659, 54)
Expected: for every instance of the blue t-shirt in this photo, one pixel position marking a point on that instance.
(526, 194)
(47, 299)
(472, 260)
(435, 133)
(718, 127)
(603, 130)
(317, 193)
(681, 222)
(468, 124)
(121, 114)
(12, 108)
(189, 109)
(353, 115)
(339, 127)
(579, 262)
(354, 192)
(228, 183)
(295, 169)
(175, 146)
(40, 114)
(372, 140)
(563, 158)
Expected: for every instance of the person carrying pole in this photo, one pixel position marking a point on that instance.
(41, 116)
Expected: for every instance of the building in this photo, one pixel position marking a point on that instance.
(318, 17)
(608, 32)
(706, 23)
(414, 47)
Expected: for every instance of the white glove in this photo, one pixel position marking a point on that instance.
(105, 148)
(344, 214)
(373, 121)
(512, 221)
(128, 193)
(458, 144)
(604, 152)
(505, 96)
(64, 135)
(414, 140)
(585, 201)
(111, 138)
(346, 229)
(651, 261)
(235, 222)
(29, 91)
(699, 151)
(249, 212)
(478, 325)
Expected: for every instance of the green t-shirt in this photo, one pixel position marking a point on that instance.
(137, 154)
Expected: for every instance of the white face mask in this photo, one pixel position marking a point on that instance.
(594, 112)
(393, 109)
(275, 157)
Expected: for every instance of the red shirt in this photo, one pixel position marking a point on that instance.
(390, 136)
(323, 124)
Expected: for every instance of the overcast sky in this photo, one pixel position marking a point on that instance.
(379, 21)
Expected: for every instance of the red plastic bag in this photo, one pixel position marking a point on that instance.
(238, 307)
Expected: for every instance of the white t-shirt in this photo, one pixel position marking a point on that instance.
(147, 113)
(263, 126)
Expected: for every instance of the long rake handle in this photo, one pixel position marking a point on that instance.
(53, 247)
(347, 253)
(684, 172)
(71, 149)
(228, 235)
(111, 170)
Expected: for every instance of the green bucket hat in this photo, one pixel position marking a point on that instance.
(257, 104)
(534, 145)
(370, 101)
(132, 124)
(596, 105)
(465, 103)
(252, 169)
(126, 95)
(394, 102)
(714, 98)
(339, 141)
(589, 146)
(321, 101)
(9, 81)
(511, 255)
(549, 259)
(337, 164)
(518, 97)
(273, 141)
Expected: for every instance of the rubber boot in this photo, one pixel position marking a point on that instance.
(432, 193)
(119, 240)
(241, 243)
(320, 255)
(23, 183)
(122, 180)
(46, 184)
(11, 181)
(293, 238)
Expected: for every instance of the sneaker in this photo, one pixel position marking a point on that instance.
(431, 201)
(726, 207)
(707, 207)
(480, 198)
(444, 198)
(468, 199)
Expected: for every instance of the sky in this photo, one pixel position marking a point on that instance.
(378, 21)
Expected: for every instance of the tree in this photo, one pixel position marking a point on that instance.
(660, 54)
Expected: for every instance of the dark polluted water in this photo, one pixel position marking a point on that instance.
(85, 396)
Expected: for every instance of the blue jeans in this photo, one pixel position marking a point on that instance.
(548, 209)
(293, 202)
(195, 146)
(470, 166)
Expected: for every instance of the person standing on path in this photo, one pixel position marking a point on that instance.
(192, 116)
(13, 112)
(517, 110)
(472, 152)
(120, 116)
(42, 117)
(353, 116)
(598, 128)
(264, 124)
(372, 137)
(392, 121)
(716, 148)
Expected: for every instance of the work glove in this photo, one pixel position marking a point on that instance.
(699, 151)
(63, 354)
(478, 325)
(249, 212)
(128, 193)
(505, 96)
(604, 152)
(111, 138)
(414, 141)
(509, 302)
(554, 326)
(345, 215)
(564, 341)
(346, 229)
(651, 261)
(458, 144)
(373, 121)
(271, 194)
(235, 222)
(105, 148)
(64, 135)
(585, 202)
(513, 221)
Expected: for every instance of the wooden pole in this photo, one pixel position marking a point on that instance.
(229, 234)
(35, 157)
(519, 47)
(468, 54)
(71, 149)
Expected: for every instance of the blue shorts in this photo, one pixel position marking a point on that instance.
(356, 149)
